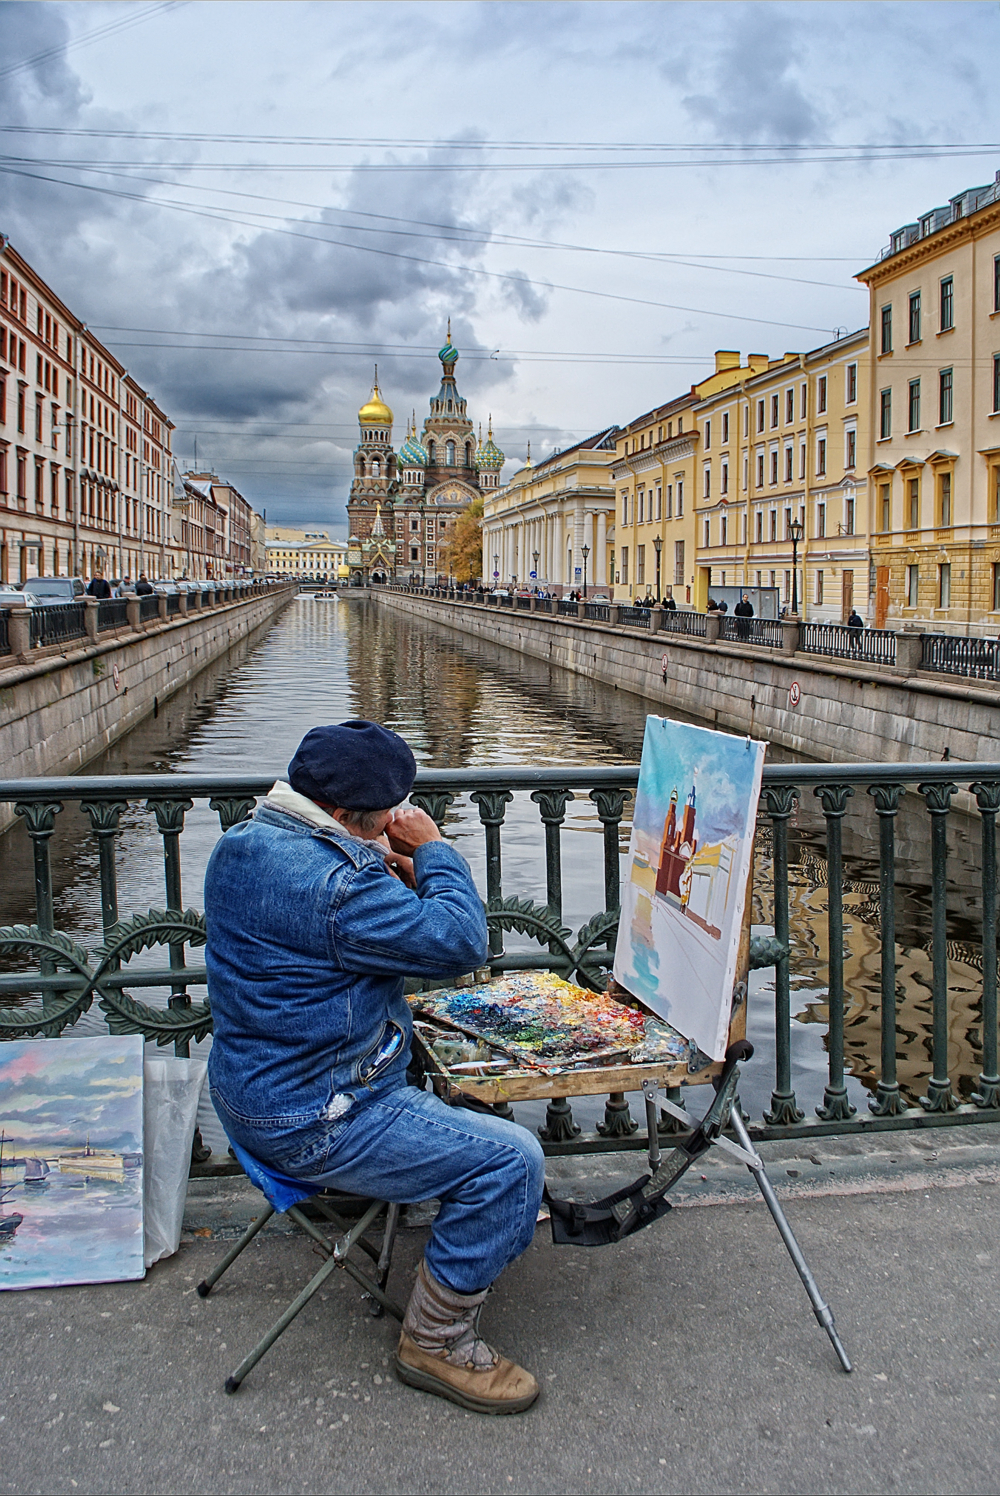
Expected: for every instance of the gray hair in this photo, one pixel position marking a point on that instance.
(363, 823)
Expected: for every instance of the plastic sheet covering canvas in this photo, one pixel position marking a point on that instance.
(686, 882)
(71, 1163)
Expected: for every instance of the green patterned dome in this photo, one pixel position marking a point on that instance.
(448, 354)
(489, 455)
(413, 453)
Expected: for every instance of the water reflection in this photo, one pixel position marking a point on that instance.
(463, 702)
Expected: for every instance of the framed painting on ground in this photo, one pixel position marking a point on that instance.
(71, 1161)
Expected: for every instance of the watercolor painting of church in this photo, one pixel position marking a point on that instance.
(685, 886)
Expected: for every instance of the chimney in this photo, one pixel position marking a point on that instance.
(726, 358)
(758, 363)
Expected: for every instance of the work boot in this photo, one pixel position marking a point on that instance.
(440, 1351)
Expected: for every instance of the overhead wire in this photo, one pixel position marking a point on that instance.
(109, 28)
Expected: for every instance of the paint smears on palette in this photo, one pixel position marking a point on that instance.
(541, 1021)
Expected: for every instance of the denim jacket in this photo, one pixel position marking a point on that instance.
(309, 937)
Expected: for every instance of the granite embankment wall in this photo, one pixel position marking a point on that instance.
(61, 708)
(847, 712)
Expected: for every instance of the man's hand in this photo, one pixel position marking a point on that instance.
(402, 868)
(409, 829)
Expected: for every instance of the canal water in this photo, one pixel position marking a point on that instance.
(461, 702)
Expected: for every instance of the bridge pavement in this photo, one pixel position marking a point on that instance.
(685, 1360)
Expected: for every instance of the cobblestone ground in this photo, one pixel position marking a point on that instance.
(684, 1360)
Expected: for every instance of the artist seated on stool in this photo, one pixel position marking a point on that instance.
(311, 926)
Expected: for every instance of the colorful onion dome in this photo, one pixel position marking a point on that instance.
(489, 455)
(449, 353)
(375, 412)
(412, 453)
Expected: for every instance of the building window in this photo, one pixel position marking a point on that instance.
(849, 516)
(886, 324)
(724, 478)
(996, 383)
(914, 317)
(708, 435)
(947, 304)
(789, 405)
(995, 484)
(414, 553)
(851, 390)
(885, 508)
(760, 415)
(760, 470)
(725, 428)
(640, 564)
(708, 533)
(723, 529)
(788, 587)
(678, 561)
(820, 521)
(641, 504)
(885, 415)
(851, 448)
(996, 283)
(759, 537)
(774, 467)
(821, 394)
(707, 492)
(913, 503)
(659, 503)
(774, 524)
(913, 586)
(821, 457)
(680, 499)
(789, 460)
(802, 459)
(670, 501)
(944, 585)
(624, 570)
(914, 407)
(450, 454)
(946, 400)
(624, 508)
(944, 500)
(746, 421)
(774, 411)
(819, 589)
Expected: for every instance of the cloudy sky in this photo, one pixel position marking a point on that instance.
(250, 203)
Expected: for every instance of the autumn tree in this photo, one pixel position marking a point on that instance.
(462, 555)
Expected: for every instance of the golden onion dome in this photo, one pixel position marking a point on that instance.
(375, 412)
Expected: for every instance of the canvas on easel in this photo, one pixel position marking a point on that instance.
(685, 893)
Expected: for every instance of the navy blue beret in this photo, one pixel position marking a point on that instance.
(355, 765)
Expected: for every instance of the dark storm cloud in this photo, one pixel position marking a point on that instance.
(751, 86)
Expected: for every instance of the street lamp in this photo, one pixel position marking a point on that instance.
(658, 546)
(585, 552)
(795, 531)
(496, 571)
(534, 556)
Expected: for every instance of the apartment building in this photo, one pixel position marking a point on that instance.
(304, 553)
(552, 525)
(934, 410)
(654, 527)
(780, 488)
(85, 462)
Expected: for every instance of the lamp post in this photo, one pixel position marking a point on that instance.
(795, 529)
(658, 546)
(585, 552)
(496, 571)
(534, 556)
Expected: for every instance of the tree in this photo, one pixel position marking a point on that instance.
(462, 555)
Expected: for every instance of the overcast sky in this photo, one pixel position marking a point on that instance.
(250, 203)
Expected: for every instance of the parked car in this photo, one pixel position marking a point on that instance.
(45, 591)
(13, 597)
(166, 589)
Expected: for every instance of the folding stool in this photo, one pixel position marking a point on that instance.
(284, 1195)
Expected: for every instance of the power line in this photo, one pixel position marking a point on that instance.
(110, 28)
(218, 215)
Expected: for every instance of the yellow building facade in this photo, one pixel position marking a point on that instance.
(786, 444)
(552, 526)
(934, 398)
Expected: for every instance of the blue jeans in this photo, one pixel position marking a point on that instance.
(407, 1145)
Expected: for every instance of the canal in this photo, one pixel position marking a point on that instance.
(461, 702)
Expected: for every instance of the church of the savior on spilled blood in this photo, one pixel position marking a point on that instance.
(404, 504)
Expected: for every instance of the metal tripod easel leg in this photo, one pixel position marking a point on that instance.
(747, 1154)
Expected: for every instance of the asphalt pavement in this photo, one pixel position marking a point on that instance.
(683, 1360)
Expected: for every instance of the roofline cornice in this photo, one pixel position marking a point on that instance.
(970, 227)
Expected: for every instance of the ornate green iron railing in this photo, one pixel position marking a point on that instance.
(57, 979)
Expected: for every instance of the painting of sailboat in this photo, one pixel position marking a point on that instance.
(71, 1161)
(685, 886)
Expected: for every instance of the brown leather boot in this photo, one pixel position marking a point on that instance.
(440, 1351)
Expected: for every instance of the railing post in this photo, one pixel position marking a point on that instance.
(888, 1101)
(581, 610)
(987, 1093)
(182, 602)
(940, 1097)
(834, 797)
(610, 805)
(790, 634)
(161, 607)
(19, 631)
(170, 823)
(909, 653)
(614, 613)
(491, 805)
(552, 804)
(104, 816)
(92, 608)
(40, 819)
(713, 624)
(133, 612)
(780, 802)
(655, 619)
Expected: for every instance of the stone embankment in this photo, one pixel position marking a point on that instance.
(825, 709)
(62, 704)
